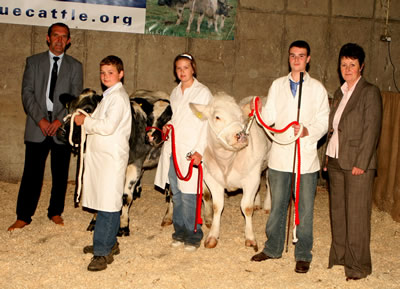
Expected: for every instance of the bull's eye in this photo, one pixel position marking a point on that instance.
(217, 117)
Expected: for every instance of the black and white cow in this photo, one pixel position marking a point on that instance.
(149, 109)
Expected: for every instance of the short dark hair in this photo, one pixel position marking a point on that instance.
(61, 25)
(353, 51)
(187, 56)
(113, 60)
(301, 44)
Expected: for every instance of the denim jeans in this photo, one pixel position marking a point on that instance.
(184, 212)
(105, 232)
(280, 183)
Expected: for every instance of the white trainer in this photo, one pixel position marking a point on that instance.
(190, 248)
(176, 243)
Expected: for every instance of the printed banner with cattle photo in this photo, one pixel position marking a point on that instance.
(211, 19)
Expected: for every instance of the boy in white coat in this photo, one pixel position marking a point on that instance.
(107, 150)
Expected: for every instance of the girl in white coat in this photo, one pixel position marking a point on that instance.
(190, 137)
(107, 150)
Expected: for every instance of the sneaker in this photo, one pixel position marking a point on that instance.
(190, 248)
(99, 263)
(114, 250)
(176, 243)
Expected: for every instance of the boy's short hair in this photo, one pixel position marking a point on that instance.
(113, 60)
(301, 44)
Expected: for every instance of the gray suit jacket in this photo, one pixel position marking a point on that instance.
(359, 127)
(34, 85)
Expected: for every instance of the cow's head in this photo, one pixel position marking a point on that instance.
(86, 101)
(154, 106)
(223, 8)
(225, 119)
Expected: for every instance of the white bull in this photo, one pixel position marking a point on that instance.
(232, 160)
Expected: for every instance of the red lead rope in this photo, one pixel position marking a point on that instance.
(199, 197)
(256, 101)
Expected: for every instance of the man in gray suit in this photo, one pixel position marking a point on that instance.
(46, 76)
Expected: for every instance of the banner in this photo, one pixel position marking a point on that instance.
(163, 17)
(105, 15)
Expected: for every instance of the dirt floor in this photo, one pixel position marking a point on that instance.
(44, 255)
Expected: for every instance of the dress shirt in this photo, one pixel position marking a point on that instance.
(333, 146)
(49, 103)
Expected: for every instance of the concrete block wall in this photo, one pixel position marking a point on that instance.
(242, 67)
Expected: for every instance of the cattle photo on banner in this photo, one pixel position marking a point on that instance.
(211, 19)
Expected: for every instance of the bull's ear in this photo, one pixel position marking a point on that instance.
(199, 110)
(66, 98)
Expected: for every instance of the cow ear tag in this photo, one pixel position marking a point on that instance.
(199, 115)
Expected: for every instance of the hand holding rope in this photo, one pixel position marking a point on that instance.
(82, 145)
(268, 130)
(199, 196)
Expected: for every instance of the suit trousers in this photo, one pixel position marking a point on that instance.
(32, 178)
(350, 208)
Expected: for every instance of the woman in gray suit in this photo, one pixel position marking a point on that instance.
(354, 129)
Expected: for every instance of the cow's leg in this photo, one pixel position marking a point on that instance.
(217, 192)
(190, 22)
(257, 201)
(247, 203)
(179, 12)
(222, 22)
(167, 220)
(208, 207)
(267, 199)
(92, 223)
(199, 21)
(131, 178)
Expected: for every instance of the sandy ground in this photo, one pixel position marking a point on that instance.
(44, 255)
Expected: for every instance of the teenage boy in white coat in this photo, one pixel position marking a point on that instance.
(107, 150)
(282, 108)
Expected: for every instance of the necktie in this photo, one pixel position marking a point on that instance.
(53, 81)
(293, 87)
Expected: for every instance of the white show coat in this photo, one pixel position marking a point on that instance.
(107, 151)
(281, 109)
(190, 135)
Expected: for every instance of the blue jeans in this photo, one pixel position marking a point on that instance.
(280, 183)
(105, 232)
(184, 213)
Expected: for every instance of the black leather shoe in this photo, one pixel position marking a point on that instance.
(114, 249)
(352, 278)
(260, 257)
(302, 266)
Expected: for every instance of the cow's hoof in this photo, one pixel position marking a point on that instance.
(166, 222)
(210, 243)
(90, 228)
(123, 232)
(252, 243)
(267, 211)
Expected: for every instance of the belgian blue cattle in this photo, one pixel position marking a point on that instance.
(212, 9)
(149, 109)
(232, 160)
